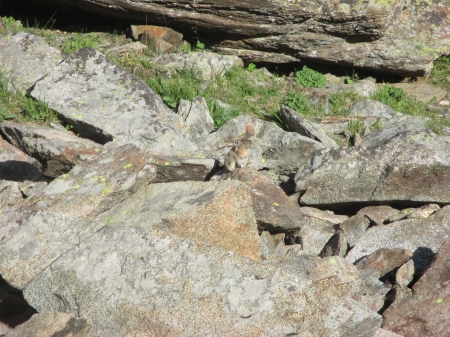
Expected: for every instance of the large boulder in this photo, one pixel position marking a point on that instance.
(25, 58)
(104, 103)
(411, 166)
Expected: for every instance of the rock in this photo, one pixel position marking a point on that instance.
(385, 333)
(30, 188)
(103, 103)
(133, 47)
(323, 215)
(25, 58)
(52, 324)
(392, 37)
(174, 168)
(369, 107)
(426, 312)
(354, 228)
(385, 260)
(336, 246)
(271, 247)
(198, 121)
(423, 92)
(9, 192)
(298, 123)
(423, 212)
(378, 215)
(15, 165)
(397, 171)
(150, 277)
(273, 149)
(207, 65)
(149, 34)
(97, 185)
(423, 237)
(369, 291)
(405, 274)
(365, 88)
(273, 209)
(401, 215)
(315, 234)
(57, 151)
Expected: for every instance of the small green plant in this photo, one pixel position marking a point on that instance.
(399, 101)
(341, 102)
(310, 78)
(440, 75)
(352, 79)
(251, 67)
(221, 114)
(355, 126)
(200, 45)
(78, 41)
(185, 48)
(5, 114)
(38, 111)
(377, 125)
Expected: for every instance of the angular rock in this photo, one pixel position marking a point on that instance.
(401, 215)
(354, 228)
(141, 33)
(174, 168)
(423, 212)
(25, 58)
(365, 88)
(323, 215)
(315, 234)
(206, 64)
(370, 291)
(133, 47)
(199, 122)
(15, 165)
(104, 103)
(52, 324)
(273, 209)
(298, 123)
(57, 151)
(9, 192)
(137, 279)
(273, 149)
(385, 260)
(405, 274)
(96, 185)
(385, 333)
(378, 215)
(426, 312)
(271, 247)
(422, 236)
(369, 107)
(395, 171)
(336, 246)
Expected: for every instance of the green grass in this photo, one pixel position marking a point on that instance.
(440, 75)
(310, 78)
(79, 40)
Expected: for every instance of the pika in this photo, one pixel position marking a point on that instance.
(238, 154)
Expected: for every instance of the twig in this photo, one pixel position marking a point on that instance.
(50, 19)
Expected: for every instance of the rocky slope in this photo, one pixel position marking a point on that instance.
(134, 228)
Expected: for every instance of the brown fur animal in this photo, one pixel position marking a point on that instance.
(238, 154)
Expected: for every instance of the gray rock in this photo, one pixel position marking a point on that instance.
(369, 107)
(423, 212)
(104, 103)
(365, 88)
(323, 215)
(385, 333)
(25, 58)
(52, 324)
(386, 260)
(132, 47)
(16, 165)
(57, 151)
(315, 234)
(206, 64)
(369, 290)
(397, 170)
(422, 236)
(9, 192)
(298, 123)
(174, 168)
(137, 279)
(273, 149)
(354, 227)
(378, 215)
(423, 92)
(405, 274)
(198, 121)
(336, 246)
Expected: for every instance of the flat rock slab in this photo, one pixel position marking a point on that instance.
(104, 103)
(141, 280)
(423, 92)
(96, 185)
(206, 64)
(56, 151)
(426, 312)
(413, 166)
(385, 260)
(214, 213)
(25, 58)
(423, 237)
